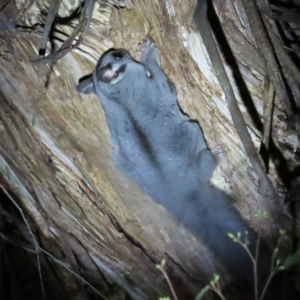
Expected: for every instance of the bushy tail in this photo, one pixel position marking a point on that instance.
(210, 216)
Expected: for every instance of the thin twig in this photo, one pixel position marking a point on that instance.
(54, 259)
(272, 271)
(266, 50)
(53, 9)
(217, 290)
(32, 235)
(268, 101)
(80, 29)
(4, 5)
(255, 268)
(169, 283)
(201, 21)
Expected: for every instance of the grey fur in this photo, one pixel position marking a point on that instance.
(156, 145)
(163, 151)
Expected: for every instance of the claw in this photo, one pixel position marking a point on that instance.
(219, 152)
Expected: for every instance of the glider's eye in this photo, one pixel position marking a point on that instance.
(118, 55)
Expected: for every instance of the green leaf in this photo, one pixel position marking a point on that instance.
(161, 265)
(261, 214)
(282, 232)
(215, 280)
(277, 262)
(292, 259)
(231, 235)
(234, 239)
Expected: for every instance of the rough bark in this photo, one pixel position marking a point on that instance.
(55, 146)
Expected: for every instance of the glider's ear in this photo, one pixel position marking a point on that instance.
(86, 86)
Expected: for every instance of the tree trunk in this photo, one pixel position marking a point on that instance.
(55, 151)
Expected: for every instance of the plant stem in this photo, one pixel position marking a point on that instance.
(266, 285)
(217, 290)
(255, 268)
(169, 283)
(273, 270)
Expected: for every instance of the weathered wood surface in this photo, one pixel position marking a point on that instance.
(55, 159)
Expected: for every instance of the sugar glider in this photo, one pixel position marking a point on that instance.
(165, 153)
